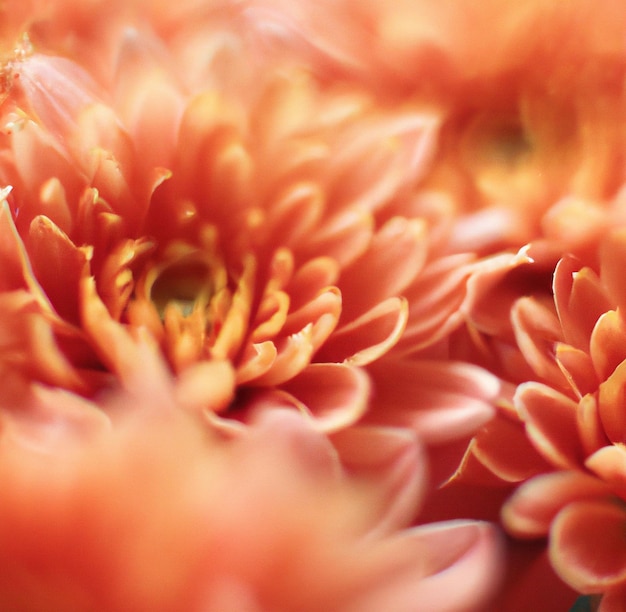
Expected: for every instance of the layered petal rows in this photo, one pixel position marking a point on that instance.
(305, 305)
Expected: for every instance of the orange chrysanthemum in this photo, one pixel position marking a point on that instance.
(530, 98)
(563, 431)
(275, 234)
(156, 513)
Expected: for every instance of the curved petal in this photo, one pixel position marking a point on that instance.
(608, 343)
(537, 330)
(503, 447)
(442, 400)
(551, 423)
(577, 368)
(588, 546)
(613, 259)
(51, 250)
(532, 508)
(610, 404)
(580, 299)
(336, 396)
(460, 567)
(394, 258)
(609, 463)
(208, 385)
(368, 337)
(393, 462)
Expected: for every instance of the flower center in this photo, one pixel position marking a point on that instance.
(184, 285)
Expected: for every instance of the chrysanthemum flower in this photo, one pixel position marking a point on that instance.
(156, 513)
(530, 96)
(563, 432)
(274, 236)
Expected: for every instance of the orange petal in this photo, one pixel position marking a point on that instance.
(435, 300)
(579, 298)
(51, 250)
(255, 361)
(588, 545)
(293, 355)
(343, 237)
(613, 260)
(391, 460)
(537, 331)
(336, 396)
(15, 265)
(590, 428)
(577, 367)
(551, 423)
(609, 463)
(533, 507)
(394, 258)
(206, 386)
(608, 343)
(503, 448)
(368, 337)
(611, 406)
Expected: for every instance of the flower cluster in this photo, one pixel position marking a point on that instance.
(312, 305)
